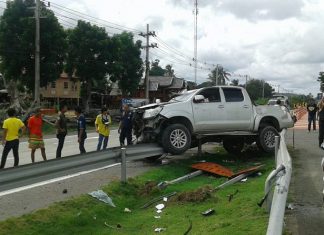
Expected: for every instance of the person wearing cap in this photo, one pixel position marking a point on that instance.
(10, 139)
(102, 123)
(35, 124)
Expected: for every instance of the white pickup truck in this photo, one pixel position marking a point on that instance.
(219, 114)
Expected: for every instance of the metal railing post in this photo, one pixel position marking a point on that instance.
(277, 143)
(123, 165)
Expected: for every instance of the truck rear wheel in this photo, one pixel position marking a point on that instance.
(233, 145)
(176, 139)
(266, 139)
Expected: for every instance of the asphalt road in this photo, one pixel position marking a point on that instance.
(71, 147)
(306, 187)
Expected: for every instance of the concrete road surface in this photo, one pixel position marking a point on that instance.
(306, 184)
(71, 147)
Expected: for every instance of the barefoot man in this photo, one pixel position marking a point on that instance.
(35, 124)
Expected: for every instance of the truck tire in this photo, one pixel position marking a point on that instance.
(176, 139)
(233, 145)
(266, 139)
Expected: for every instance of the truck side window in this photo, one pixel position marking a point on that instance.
(211, 95)
(233, 94)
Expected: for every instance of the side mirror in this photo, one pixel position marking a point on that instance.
(199, 98)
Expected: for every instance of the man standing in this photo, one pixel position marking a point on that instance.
(102, 123)
(312, 110)
(10, 140)
(82, 134)
(61, 129)
(125, 126)
(35, 124)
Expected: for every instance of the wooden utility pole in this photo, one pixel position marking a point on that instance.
(37, 52)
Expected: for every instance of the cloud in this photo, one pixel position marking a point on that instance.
(263, 9)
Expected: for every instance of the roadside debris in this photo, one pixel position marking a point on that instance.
(291, 206)
(159, 206)
(148, 188)
(244, 180)
(208, 212)
(213, 168)
(158, 230)
(158, 199)
(102, 196)
(231, 181)
(157, 217)
(127, 210)
(231, 196)
(164, 184)
(118, 226)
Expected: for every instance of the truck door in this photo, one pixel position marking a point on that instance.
(209, 113)
(238, 109)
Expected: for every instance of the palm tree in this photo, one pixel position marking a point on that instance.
(221, 75)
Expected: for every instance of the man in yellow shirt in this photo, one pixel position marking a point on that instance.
(10, 140)
(102, 123)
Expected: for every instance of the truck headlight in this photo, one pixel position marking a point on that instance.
(151, 113)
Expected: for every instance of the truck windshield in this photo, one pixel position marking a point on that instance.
(183, 97)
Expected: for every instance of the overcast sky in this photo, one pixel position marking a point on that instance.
(280, 41)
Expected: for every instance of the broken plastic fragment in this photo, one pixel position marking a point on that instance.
(208, 212)
(157, 217)
(291, 206)
(102, 196)
(127, 210)
(165, 199)
(159, 206)
(158, 230)
(244, 180)
(159, 211)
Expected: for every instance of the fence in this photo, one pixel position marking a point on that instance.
(281, 178)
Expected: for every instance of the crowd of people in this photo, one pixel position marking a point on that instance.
(14, 128)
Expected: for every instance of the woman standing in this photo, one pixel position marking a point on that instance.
(321, 122)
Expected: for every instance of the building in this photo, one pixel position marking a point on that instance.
(61, 89)
(163, 87)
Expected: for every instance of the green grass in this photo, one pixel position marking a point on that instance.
(85, 215)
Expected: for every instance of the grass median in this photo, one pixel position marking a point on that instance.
(86, 215)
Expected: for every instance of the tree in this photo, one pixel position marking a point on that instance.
(127, 66)
(221, 74)
(235, 82)
(169, 71)
(321, 80)
(17, 47)
(255, 89)
(88, 56)
(156, 69)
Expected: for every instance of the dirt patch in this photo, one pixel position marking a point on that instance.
(199, 195)
(148, 188)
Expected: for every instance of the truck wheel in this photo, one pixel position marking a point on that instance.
(176, 139)
(266, 139)
(233, 145)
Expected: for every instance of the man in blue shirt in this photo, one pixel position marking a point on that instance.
(126, 126)
(82, 134)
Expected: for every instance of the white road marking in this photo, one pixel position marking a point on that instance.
(19, 189)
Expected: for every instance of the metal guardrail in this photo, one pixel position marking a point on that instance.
(11, 178)
(281, 177)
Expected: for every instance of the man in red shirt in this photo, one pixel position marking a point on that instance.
(35, 124)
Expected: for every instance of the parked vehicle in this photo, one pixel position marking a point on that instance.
(219, 114)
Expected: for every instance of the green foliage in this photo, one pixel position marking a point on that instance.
(255, 89)
(127, 66)
(17, 44)
(169, 71)
(156, 69)
(321, 80)
(86, 215)
(88, 56)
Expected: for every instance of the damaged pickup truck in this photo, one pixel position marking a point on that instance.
(215, 114)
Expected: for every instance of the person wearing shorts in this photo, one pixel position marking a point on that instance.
(35, 124)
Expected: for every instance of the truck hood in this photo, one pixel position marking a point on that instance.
(154, 105)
